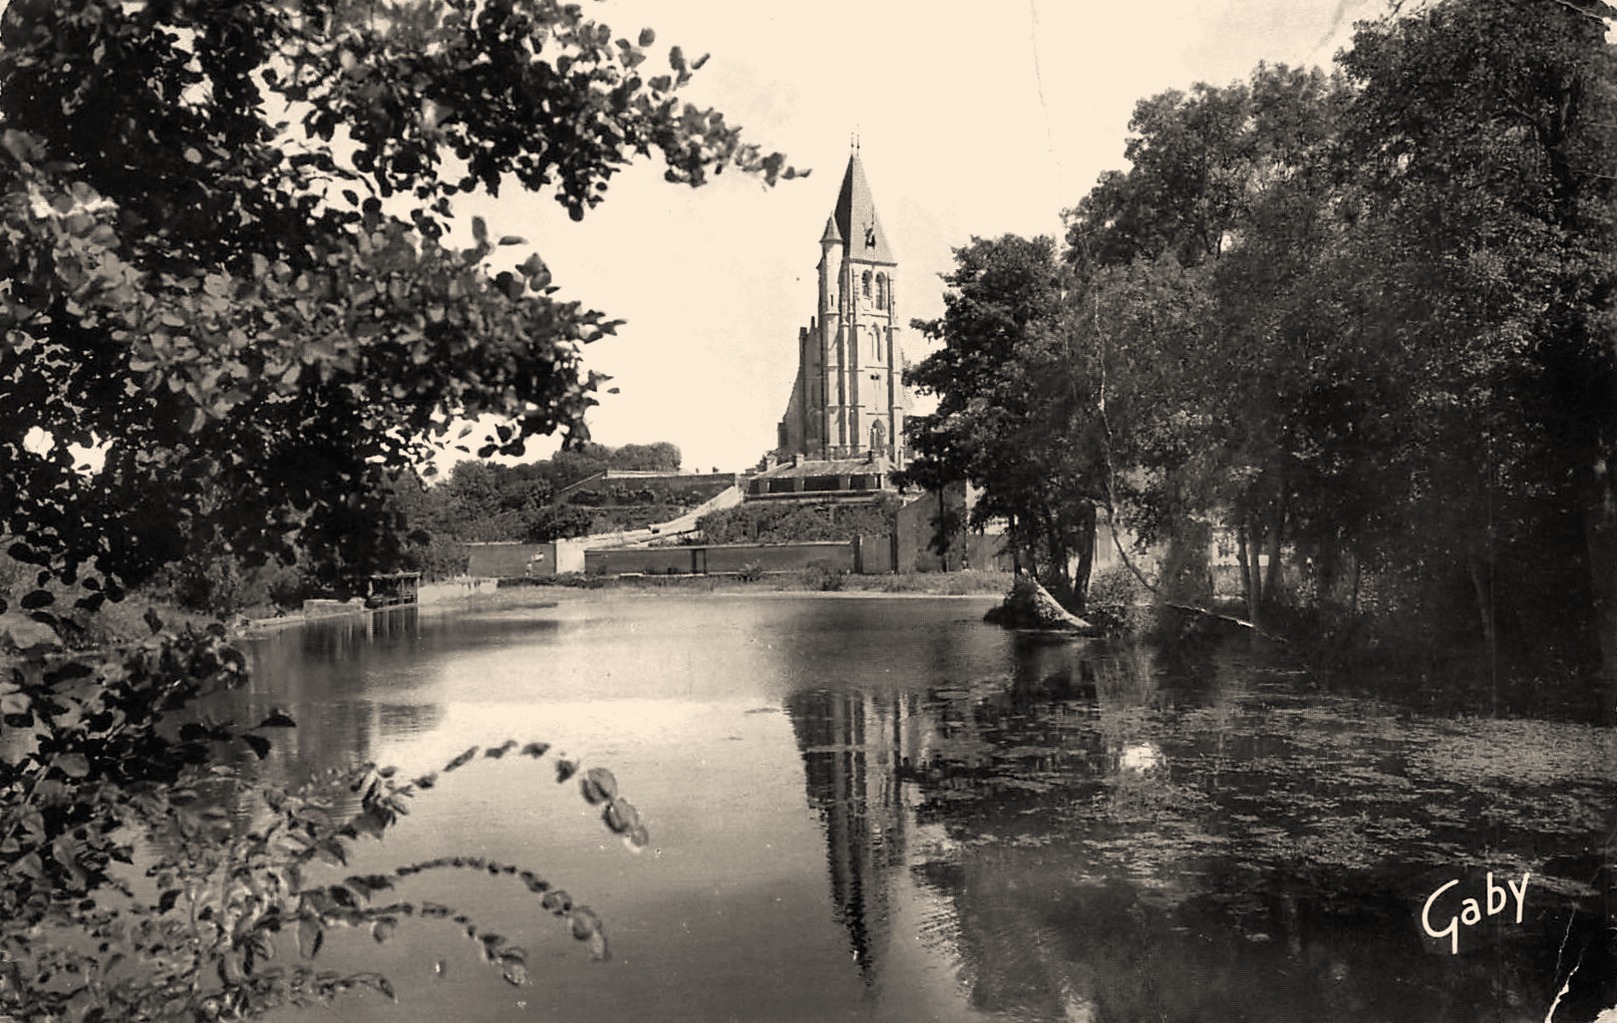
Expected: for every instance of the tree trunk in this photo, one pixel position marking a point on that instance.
(1482, 586)
(1059, 570)
(1016, 546)
(1086, 559)
(1272, 549)
(1257, 592)
(1600, 534)
(1242, 563)
(1325, 574)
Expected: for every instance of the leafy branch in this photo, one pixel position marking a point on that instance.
(93, 770)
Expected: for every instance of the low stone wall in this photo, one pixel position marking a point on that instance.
(506, 560)
(873, 554)
(644, 560)
(719, 558)
(865, 555)
(322, 608)
(782, 557)
(989, 552)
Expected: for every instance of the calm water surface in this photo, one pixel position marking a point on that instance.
(869, 808)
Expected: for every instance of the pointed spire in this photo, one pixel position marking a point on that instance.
(832, 235)
(856, 218)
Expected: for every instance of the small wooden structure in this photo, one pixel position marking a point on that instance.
(392, 588)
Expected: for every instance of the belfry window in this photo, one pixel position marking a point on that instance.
(864, 284)
(881, 291)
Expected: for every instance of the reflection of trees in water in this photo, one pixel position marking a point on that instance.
(1036, 945)
(321, 672)
(346, 682)
(1117, 839)
(351, 636)
(1126, 847)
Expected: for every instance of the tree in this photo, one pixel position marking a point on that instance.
(1486, 134)
(1012, 409)
(258, 326)
(1224, 219)
(229, 304)
(1401, 353)
(657, 457)
(557, 522)
(489, 501)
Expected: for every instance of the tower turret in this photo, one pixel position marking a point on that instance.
(830, 241)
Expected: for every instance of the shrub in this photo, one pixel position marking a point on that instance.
(1114, 588)
(792, 522)
(824, 576)
(751, 572)
(1118, 600)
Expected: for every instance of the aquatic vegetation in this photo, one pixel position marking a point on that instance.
(1249, 806)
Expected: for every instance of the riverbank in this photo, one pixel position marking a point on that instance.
(809, 580)
(130, 620)
(523, 592)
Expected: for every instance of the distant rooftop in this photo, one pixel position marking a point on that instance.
(811, 467)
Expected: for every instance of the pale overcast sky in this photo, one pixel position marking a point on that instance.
(974, 119)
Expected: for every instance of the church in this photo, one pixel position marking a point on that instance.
(838, 446)
(843, 431)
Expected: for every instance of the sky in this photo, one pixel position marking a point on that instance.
(973, 120)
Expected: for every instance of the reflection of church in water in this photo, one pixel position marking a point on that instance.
(864, 755)
(855, 746)
(884, 769)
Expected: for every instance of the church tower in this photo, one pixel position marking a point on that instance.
(849, 401)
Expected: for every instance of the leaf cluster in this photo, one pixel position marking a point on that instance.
(96, 768)
(224, 232)
(1354, 325)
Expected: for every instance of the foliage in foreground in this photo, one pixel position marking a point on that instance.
(225, 228)
(224, 232)
(99, 784)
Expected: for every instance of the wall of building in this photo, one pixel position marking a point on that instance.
(643, 560)
(989, 552)
(916, 528)
(569, 555)
(513, 560)
(509, 560)
(874, 554)
(780, 557)
(719, 559)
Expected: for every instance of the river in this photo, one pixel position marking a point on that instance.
(879, 808)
